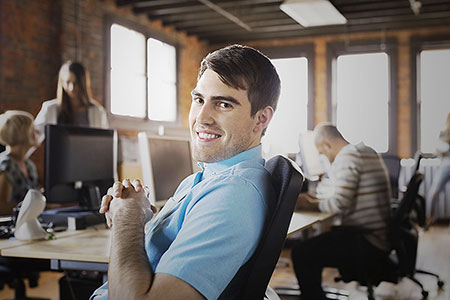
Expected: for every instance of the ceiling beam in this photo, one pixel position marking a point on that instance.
(226, 14)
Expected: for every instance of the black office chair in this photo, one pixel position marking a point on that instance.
(14, 271)
(403, 236)
(252, 279)
(392, 163)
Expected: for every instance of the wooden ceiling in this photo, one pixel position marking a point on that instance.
(229, 21)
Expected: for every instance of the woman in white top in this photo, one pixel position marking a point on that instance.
(73, 104)
(443, 177)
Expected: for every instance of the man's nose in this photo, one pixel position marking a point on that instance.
(205, 115)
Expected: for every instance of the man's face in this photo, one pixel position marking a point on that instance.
(323, 149)
(220, 121)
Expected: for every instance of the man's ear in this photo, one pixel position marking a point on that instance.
(263, 118)
(326, 144)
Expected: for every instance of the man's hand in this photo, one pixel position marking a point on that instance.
(307, 202)
(127, 198)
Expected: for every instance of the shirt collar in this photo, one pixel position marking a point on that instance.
(216, 167)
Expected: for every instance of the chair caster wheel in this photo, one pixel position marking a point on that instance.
(440, 284)
(424, 294)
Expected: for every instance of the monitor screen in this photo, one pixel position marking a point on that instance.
(80, 163)
(165, 163)
(309, 156)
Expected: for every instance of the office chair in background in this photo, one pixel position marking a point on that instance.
(392, 163)
(252, 279)
(403, 237)
(14, 271)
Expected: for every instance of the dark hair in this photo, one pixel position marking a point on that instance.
(327, 131)
(246, 68)
(82, 80)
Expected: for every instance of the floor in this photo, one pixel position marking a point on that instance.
(434, 255)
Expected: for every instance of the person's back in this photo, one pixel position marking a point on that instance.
(371, 209)
(361, 199)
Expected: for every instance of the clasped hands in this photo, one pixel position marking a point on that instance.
(128, 201)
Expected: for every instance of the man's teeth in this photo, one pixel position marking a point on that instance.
(203, 135)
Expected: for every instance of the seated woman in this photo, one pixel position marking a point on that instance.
(17, 174)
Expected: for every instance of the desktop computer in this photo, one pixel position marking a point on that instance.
(165, 161)
(80, 165)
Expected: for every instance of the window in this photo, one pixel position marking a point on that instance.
(434, 96)
(143, 72)
(362, 100)
(295, 108)
(291, 116)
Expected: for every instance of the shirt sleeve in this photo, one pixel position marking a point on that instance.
(40, 121)
(346, 179)
(220, 232)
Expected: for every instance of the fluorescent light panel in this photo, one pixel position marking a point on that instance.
(309, 13)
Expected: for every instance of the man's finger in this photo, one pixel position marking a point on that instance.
(104, 206)
(117, 189)
(137, 185)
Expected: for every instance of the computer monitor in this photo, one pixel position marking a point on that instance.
(80, 164)
(309, 156)
(165, 161)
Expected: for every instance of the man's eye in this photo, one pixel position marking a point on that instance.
(198, 100)
(225, 105)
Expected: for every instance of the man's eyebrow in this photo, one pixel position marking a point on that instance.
(195, 93)
(218, 98)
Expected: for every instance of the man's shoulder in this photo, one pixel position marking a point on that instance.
(249, 170)
(356, 152)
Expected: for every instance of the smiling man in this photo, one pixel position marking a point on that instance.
(211, 226)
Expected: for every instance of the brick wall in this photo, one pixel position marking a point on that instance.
(37, 36)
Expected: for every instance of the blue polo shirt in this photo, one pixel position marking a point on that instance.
(212, 224)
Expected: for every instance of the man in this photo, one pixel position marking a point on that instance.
(361, 197)
(212, 224)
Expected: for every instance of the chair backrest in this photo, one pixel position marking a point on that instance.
(252, 279)
(392, 163)
(403, 234)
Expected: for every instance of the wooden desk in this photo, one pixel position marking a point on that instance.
(12, 243)
(89, 249)
(77, 250)
(305, 219)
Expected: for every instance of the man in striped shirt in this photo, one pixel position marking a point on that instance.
(361, 197)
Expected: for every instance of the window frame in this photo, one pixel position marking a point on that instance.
(388, 46)
(307, 51)
(128, 122)
(417, 45)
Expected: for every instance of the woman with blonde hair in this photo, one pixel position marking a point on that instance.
(443, 176)
(17, 174)
(73, 104)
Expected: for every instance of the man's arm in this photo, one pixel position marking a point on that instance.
(307, 202)
(130, 274)
(345, 180)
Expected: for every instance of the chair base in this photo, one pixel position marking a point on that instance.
(19, 291)
(330, 293)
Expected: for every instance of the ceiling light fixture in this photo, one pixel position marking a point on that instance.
(309, 13)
